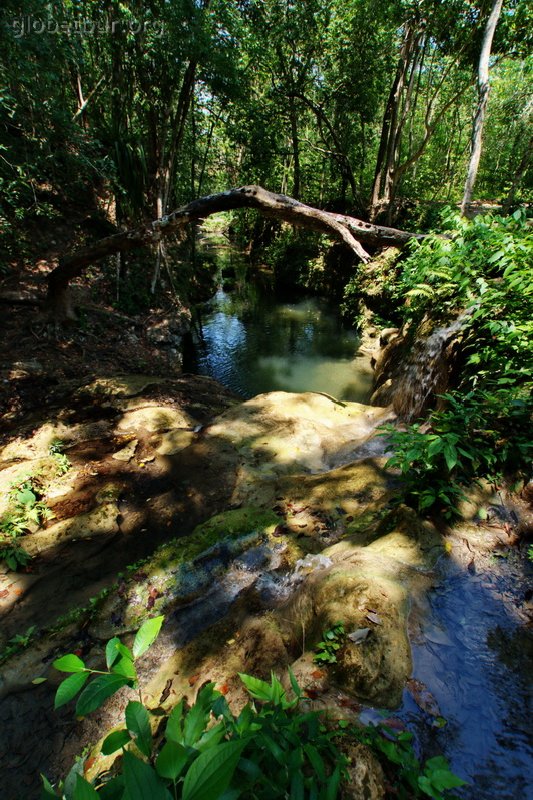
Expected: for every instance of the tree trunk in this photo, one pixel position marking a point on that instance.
(483, 98)
(350, 230)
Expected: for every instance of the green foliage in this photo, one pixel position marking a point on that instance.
(120, 672)
(484, 429)
(272, 749)
(412, 779)
(26, 509)
(326, 650)
(62, 462)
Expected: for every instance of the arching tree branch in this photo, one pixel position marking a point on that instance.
(353, 232)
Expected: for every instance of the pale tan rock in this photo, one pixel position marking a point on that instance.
(101, 521)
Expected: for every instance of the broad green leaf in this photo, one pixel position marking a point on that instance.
(125, 666)
(113, 789)
(171, 761)
(69, 688)
(111, 651)
(97, 691)
(84, 790)
(115, 741)
(138, 724)
(174, 729)
(213, 736)
(47, 789)
(260, 690)
(69, 785)
(146, 635)
(141, 781)
(333, 784)
(69, 663)
(210, 775)
(297, 786)
(26, 497)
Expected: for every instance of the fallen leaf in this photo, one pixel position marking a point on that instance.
(4, 593)
(359, 635)
(373, 617)
(37, 681)
(193, 679)
(347, 702)
(224, 689)
(423, 697)
(312, 694)
(318, 673)
(152, 597)
(395, 724)
(88, 764)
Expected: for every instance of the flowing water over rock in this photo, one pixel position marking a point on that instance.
(410, 374)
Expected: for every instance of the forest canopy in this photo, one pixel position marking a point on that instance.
(356, 106)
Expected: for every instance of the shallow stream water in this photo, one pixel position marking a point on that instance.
(470, 693)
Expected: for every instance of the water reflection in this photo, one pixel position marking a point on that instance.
(253, 343)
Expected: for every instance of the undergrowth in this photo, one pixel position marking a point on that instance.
(484, 271)
(272, 749)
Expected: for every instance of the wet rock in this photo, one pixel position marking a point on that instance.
(282, 433)
(366, 778)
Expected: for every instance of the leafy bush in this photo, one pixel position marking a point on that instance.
(270, 750)
(326, 650)
(484, 429)
(26, 508)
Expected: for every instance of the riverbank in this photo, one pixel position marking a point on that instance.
(252, 530)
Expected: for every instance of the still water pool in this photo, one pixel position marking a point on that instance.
(252, 342)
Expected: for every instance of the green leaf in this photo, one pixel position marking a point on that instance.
(115, 741)
(111, 651)
(125, 666)
(141, 781)
(47, 788)
(260, 690)
(333, 784)
(171, 761)
(26, 497)
(84, 790)
(210, 775)
(69, 688)
(138, 724)
(295, 685)
(146, 635)
(96, 692)
(113, 789)
(174, 729)
(69, 663)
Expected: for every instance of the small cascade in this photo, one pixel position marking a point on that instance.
(410, 380)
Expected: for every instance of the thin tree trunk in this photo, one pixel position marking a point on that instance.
(293, 113)
(519, 174)
(483, 98)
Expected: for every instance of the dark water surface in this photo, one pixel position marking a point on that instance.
(252, 342)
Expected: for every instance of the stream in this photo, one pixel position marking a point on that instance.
(253, 342)
(470, 694)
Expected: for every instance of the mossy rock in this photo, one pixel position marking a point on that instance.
(182, 569)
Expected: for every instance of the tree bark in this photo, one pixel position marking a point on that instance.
(350, 230)
(483, 99)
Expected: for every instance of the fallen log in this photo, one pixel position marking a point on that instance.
(353, 232)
